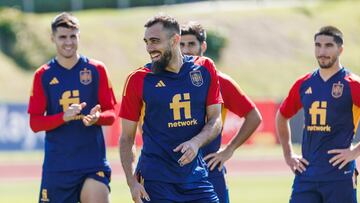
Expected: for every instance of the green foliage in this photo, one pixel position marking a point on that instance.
(20, 42)
(216, 42)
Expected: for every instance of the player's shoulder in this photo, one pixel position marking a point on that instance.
(223, 76)
(352, 78)
(138, 74)
(42, 69)
(95, 62)
(300, 80)
(203, 60)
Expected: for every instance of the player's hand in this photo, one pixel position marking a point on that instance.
(189, 149)
(296, 163)
(93, 117)
(138, 192)
(342, 156)
(72, 111)
(218, 159)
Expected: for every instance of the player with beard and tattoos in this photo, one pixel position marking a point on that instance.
(180, 99)
(330, 98)
(193, 42)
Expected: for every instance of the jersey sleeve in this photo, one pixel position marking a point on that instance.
(106, 97)
(234, 98)
(292, 103)
(132, 100)
(106, 94)
(37, 102)
(214, 96)
(354, 82)
(37, 107)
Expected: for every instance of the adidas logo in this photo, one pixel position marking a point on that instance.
(160, 84)
(308, 91)
(54, 81)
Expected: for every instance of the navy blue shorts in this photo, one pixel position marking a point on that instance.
(60, 187)
(324, 192)
(195, 192)
(220, 188)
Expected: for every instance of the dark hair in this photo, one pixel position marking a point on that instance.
(66, 20)
(194, 28)
(333, 32)
(167, 21)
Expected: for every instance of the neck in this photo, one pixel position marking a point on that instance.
(175, 62)
(326, 73)
(68, 63)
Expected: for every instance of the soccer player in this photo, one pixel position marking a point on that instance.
(181, 103)
(330, 98)
(71, 99)
(193, 42)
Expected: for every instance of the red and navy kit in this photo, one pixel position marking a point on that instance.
(235, 101)
(174, 106)
(72, 145)
(331, 110)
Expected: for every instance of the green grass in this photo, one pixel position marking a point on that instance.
(263, 43)
(244, 189)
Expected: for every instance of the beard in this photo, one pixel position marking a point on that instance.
(329, 64)
(161, 64)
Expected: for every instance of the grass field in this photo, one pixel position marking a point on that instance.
(245, 186)
(256, 174)
(243, 189)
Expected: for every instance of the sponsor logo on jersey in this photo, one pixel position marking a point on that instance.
(317, 112)
(68, 98)
(181, 104)
(85, 76)
(196, 78)
(337, 90)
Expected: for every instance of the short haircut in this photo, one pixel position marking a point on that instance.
(167, 21)
(66, 20)
(194, 28)
(333, 32)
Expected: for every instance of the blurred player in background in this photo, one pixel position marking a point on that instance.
(330, 98)
(177, 95)
(71, 99)
(193, 42)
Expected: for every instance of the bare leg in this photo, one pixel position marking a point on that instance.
(94, 191)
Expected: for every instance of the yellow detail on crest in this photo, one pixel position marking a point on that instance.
(54, 81)
(44, 196)
(68, 98)
(85, 76)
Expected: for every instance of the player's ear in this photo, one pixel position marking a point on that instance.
(176, 40)
(52, 37)
(203, 47)
(341, 49)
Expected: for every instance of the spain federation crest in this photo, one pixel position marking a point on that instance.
(337, 90)
(85, 76)
(196, 78)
